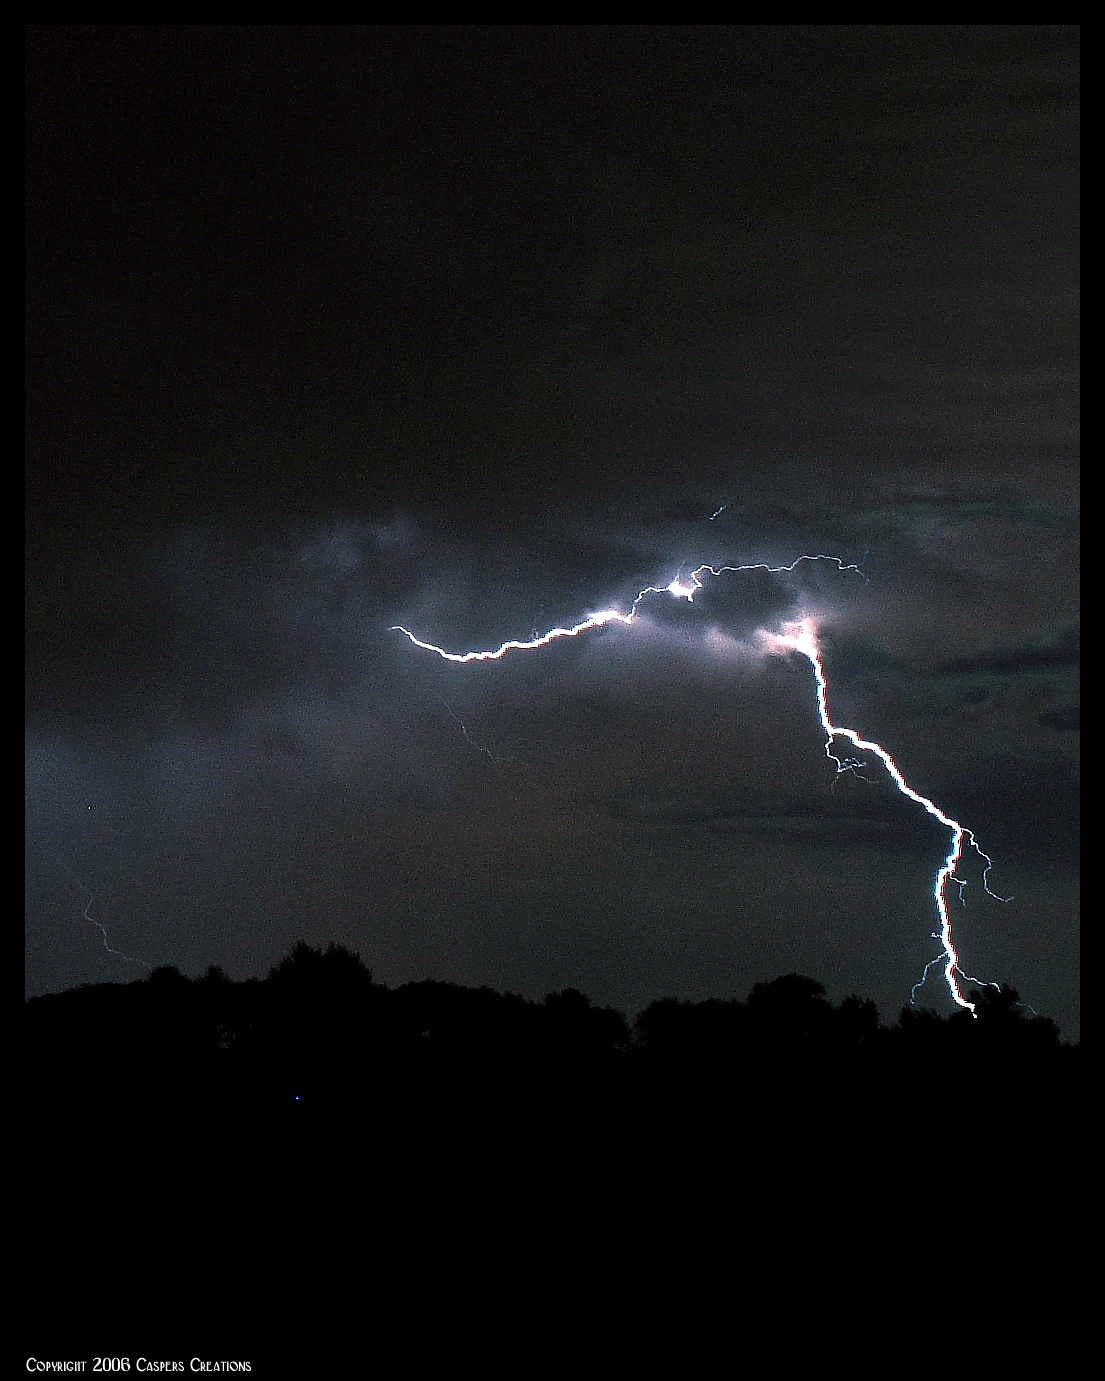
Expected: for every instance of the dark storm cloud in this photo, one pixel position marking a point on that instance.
(480, 329)
(919, 511)
(282, 631)
(482, 269)
(740, 519)
(184, 626)
(276, 637)
(266, 643)
(1037, 648)
(1065, 718)
(994, 689)
(823, 820)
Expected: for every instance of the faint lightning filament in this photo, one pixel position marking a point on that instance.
(93, 921)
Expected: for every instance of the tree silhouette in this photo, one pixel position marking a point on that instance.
(790, 1018)
(335, 970)
(320, 1030)
(855, 1023)
(578, 1030)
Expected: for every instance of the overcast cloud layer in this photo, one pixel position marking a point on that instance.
(480, 330)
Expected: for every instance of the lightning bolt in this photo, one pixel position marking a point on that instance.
(92, 919)
(681, 588)
(800, 637)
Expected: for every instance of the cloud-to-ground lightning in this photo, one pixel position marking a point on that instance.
(92, 919)
(801, 637)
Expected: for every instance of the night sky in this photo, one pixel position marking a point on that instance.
(476, 329)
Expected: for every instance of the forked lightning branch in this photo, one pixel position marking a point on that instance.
(800, 637)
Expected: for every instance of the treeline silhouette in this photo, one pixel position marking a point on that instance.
(320, 1037)
(315, 1115)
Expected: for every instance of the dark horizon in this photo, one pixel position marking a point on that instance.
(480, 329)
(987, 999)
(319, 1036)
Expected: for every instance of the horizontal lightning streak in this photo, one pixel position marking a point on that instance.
(681, 589)
(595, 621)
